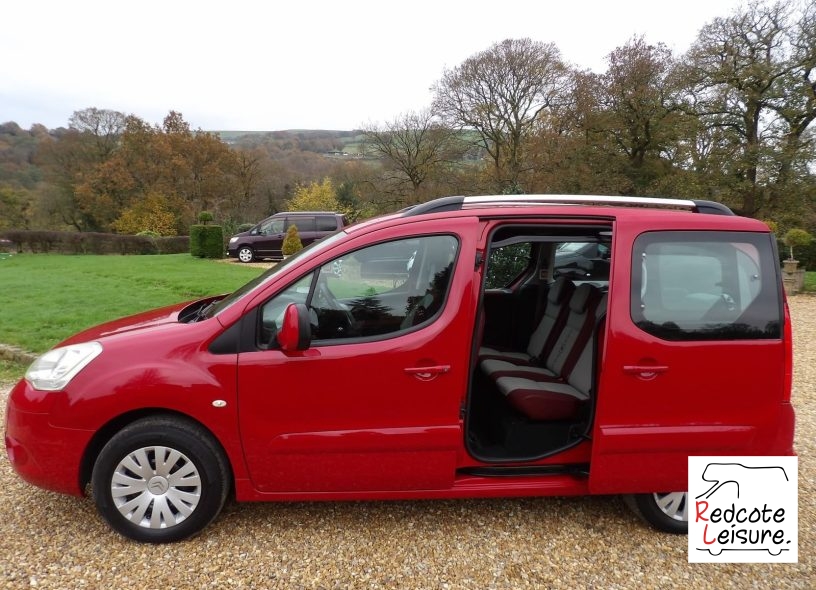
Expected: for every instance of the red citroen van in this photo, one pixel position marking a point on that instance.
(466, 347)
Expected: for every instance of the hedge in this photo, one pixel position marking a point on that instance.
(39, 241)
(207, 241)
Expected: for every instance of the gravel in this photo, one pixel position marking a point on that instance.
(53, 541)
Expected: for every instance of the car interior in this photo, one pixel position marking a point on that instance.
(542, 318)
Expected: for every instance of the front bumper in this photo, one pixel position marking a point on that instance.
(42, 454)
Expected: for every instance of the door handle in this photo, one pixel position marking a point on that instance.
(427, 373)
(645, 371)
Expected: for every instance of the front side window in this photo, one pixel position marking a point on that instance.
(705, 286)
(377, 291)
(272, 227)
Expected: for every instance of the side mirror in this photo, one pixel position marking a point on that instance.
(296, 330)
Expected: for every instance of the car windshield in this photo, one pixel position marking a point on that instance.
(311, 250)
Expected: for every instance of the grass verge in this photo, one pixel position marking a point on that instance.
(49, 297)
(11, 372)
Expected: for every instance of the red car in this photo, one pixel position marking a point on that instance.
(460, 351)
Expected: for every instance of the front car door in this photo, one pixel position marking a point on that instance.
(694, 357)
(267, 242)
(373, 404)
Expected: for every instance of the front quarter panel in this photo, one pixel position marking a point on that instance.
(168, 370)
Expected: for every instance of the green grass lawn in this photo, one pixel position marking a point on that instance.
(810, 281)
(46, 298)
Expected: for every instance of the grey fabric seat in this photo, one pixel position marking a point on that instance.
(561, 356)
(543, 337)
(544, 399)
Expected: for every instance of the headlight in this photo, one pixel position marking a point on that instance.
(55, 369)
(233, 240)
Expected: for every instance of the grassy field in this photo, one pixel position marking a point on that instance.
(49, 297)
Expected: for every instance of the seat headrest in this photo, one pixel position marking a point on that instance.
(580, 298)
(558, 290)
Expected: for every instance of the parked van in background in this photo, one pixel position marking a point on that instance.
(265, 240)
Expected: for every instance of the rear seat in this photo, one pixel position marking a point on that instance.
(545, 335)
(568, 340)
(545, 399)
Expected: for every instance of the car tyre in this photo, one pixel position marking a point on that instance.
(160, 479)
(667, 512)
(245, 254)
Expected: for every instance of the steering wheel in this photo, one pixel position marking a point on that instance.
(335, 318)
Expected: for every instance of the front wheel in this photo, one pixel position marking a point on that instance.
(160, 480)
(245, 254)
(667, 511)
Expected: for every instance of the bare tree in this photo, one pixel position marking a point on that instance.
(104, 125)
(500, 93)
(414, 147)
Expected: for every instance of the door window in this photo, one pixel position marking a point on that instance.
(388, 288)
(705, 286)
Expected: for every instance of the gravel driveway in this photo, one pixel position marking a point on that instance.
(53, 541)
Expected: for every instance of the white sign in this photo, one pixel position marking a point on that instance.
(743, 510)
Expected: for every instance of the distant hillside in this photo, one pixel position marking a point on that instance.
(307, 140)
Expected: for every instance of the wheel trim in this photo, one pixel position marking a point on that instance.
(245, 255)
(156, 487)
(673, 504)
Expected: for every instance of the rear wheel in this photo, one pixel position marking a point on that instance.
(160, 480)
(667, 511)
(245, 254)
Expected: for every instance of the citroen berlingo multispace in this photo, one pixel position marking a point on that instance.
(465, 347)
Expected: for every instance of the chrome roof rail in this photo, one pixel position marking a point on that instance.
(458, 203)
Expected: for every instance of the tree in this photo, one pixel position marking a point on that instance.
(751, 83)
(500, 93)
(317, 197)
(15, 208)
(66, 160)
(103, 125)
(413, 147)
(151, 214)
(639, 112)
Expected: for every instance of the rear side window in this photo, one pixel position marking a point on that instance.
(326, 223)
(302, 222)
(706, 286)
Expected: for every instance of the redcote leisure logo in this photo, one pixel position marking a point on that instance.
(743, 510)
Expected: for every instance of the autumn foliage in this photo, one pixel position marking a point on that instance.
(731, 119)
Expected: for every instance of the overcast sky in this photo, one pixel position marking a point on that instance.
(299, 64)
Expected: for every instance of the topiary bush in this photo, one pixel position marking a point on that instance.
(291, 243)
(207, 241)
(796, 237)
